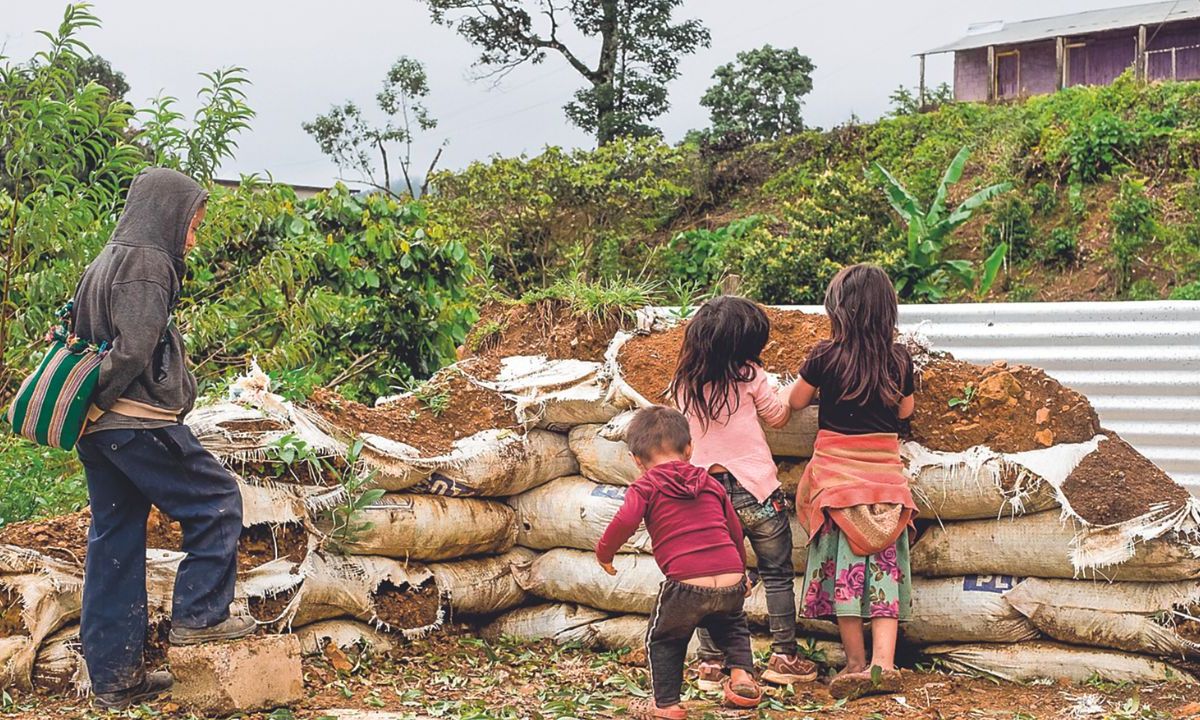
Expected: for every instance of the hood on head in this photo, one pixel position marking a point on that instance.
(679, 479)
(158, 210)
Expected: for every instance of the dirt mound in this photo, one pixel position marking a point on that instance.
(448, 407)
(547, 328)
(407, 607)
(328, 472)
(10, 615)
(1009, 409)
(270, 609)
(63, 537)
(648, 361)
(257, 545)
(1117, 483)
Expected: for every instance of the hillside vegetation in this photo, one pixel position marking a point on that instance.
(1105, 202)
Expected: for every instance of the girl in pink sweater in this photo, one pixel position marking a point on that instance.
(721, 387)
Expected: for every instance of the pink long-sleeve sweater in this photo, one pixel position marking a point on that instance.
(738, 442)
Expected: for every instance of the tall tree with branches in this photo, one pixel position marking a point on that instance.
(348, 138)
(640, 45)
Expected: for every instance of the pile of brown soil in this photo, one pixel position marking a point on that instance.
(548, 327)
(1009, 409)
(406, 607)
(648, 361)
(257, 545)
(261, 425)
(328, 472)
(269, 609)
(1117, 483)
(63, 537)
(447, 408)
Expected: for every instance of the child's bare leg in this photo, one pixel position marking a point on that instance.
(883, 642)
(851, 629)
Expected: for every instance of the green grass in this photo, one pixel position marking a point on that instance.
(598, 299)
(37, 482)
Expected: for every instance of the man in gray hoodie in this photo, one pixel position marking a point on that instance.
(137, 452)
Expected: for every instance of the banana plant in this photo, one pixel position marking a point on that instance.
(924, 273)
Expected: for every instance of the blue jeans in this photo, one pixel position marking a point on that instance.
(766, 526)
(127, 471)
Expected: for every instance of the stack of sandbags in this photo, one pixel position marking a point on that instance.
(1023, 483)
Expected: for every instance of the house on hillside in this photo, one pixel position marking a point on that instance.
(1001, 61)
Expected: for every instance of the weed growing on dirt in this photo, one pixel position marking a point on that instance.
(599, 299)
(38, 482)
(354, 480)
(963, 401)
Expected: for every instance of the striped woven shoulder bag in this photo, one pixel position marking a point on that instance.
(51, 407)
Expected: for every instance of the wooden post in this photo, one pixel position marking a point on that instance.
(1060, 60)
(921, 86)
(991, 93)
(1139, 70)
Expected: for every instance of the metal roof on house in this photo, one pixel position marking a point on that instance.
(1002, 33)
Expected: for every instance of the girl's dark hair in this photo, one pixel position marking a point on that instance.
(863, 310)
(722, 345)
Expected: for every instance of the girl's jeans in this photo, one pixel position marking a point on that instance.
(766, 526)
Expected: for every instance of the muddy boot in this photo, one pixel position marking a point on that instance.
(155, 684)
(233, 628)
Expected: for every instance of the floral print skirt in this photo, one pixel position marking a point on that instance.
(838, 583)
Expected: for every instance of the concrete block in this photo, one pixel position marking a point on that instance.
(256, 673)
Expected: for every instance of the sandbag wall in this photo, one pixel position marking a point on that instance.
(1047, 546)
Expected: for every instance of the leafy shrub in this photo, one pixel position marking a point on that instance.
(542, 217)
(1144, 290)
(1132, 215)
(1062, 249)
(1043, 198)
(1012, 224)
(363, 291)
(1190, 291)
(702, 257)
(37, 481)
(1095, 146)
(838, 223)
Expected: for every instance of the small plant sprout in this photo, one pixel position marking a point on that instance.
(963, 401)
(346, 526)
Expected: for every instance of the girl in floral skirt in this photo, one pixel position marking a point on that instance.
(854, 501)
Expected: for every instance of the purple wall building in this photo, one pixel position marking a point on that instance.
(1002, 61)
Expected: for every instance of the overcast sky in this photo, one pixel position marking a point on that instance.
(303, 55)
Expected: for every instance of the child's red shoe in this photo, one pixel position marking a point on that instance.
(743, 694)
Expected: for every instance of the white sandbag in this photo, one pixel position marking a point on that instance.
(1028, 661)
(601, 459)
(43, 602)
(1040, 545)
(551, 394)
(345, 586)
(252, 420)
(17, 653)
(560, 622)
(1136, 617)
(797, 437)
(575, 576)
(344, 635)
(965, 609)
(483, 586)
(515, 464)
(570, 512)
(59, 667)
(427, 527)
(981, 483)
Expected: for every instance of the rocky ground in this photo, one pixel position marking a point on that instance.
(456, 676)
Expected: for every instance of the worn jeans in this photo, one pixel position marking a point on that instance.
(127, 471)
(766, 526)
(678, 611)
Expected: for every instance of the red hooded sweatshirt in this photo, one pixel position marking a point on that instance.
(693, 527)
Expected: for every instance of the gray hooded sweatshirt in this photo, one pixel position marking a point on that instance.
(127, 295)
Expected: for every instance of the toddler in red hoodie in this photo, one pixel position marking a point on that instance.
(697, 539)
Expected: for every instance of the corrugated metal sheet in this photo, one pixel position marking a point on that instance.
(1077, 24)
(1138, 362)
